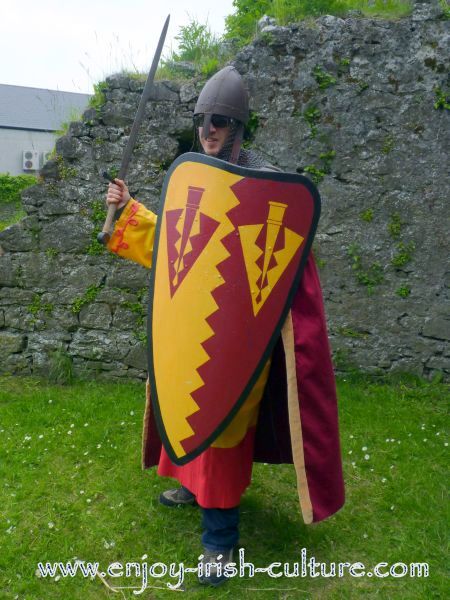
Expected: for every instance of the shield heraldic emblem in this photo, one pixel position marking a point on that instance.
(229, 251)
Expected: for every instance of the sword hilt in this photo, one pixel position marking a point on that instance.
(105, 235)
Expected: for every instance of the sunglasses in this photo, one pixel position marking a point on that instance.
(218, 121)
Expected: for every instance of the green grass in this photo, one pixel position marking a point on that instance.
(14, 214)
(11, 186)
(198, 46)
(82, 494)
(387, 9)
(241, 25)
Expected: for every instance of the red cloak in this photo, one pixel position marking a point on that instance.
(298, 421)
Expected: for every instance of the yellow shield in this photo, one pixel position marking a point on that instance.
(229, 250)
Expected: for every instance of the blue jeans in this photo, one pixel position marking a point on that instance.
(220, 527)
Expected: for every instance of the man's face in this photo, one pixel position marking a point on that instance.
(217, 137)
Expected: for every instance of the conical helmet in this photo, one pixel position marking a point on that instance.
(224, 94)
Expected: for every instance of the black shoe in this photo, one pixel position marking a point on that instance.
(216, 561)
(178, 497)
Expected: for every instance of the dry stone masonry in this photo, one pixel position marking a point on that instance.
(358, 105)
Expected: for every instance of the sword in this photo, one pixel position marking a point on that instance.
(105, 235)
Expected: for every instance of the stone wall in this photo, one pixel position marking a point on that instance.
(357, 104)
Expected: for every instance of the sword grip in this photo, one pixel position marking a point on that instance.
(105, 234)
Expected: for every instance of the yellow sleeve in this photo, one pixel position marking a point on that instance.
(134, 234)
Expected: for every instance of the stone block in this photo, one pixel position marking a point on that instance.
(137, 358)
(71, 233)
(188, 93)
(95, 316)
(69, 147)
(95, 345)
(10, 343)
(9, 273)
(118, 115)
(17, 238)
(124, 318)
(437, 327)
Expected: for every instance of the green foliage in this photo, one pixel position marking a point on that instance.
(403, 291)
(362, 85)
(137, 309)
(369, 276)
(251, 128)
(210, 67)
(98, 99)
(52, 252)
(98, 211)
(318, 173)
(195, 40)
(312, 116)
(114, 171)
(60, 367)
(290, 11)
(197, 45)
(37, 306)
(89, 296)
(442, 99)
(327, 158)
(323, 78)
(13, 218)
(446, 8)
(404, 254)
(351, 333)
(367, 215)
(320, 262)
(241, 25)
(388, 144)
(139, 312)
(74, 115)
(11, 186)
(19, 276)
(381, 8)
(395, 226)
(341, 360)
(64, 170)
(98, 216)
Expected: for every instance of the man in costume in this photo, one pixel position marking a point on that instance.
(290, 415)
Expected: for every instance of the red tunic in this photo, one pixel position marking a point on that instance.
(298, 421)
(218, 476)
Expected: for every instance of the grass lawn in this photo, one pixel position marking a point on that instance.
(71, 486)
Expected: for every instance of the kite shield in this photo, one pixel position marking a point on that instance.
(229, 252)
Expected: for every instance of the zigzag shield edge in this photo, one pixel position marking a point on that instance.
(172, 261)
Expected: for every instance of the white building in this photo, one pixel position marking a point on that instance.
(29, 118)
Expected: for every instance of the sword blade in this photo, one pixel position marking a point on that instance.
(148, 88)
(105, 235)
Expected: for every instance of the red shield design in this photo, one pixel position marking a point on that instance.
(230, 247)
